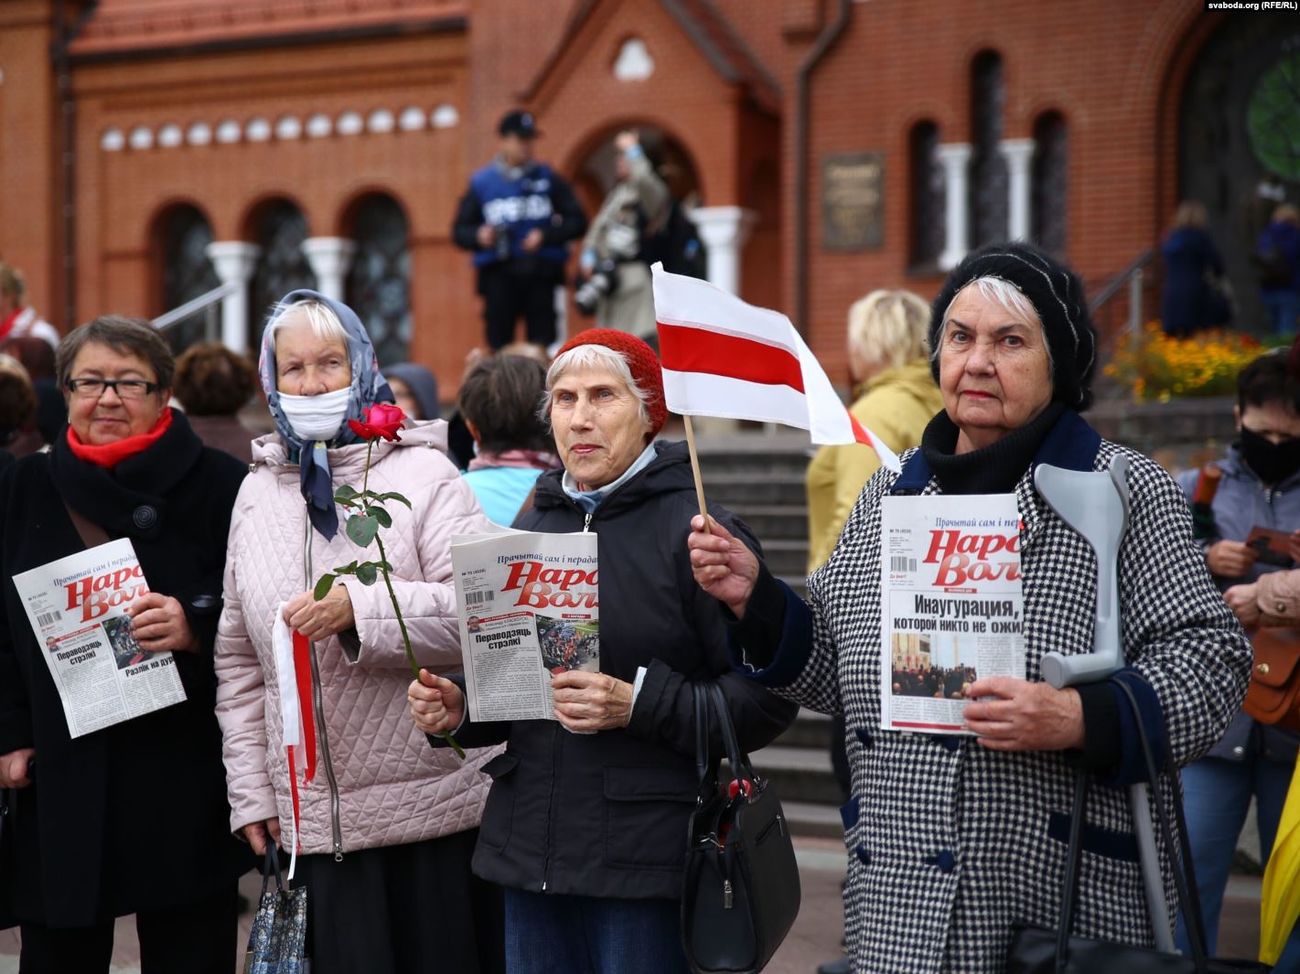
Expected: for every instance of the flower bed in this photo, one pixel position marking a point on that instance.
(1157, 367)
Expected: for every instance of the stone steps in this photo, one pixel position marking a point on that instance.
(800, 773)
(741, 489)
(760, 476)
(771, 522)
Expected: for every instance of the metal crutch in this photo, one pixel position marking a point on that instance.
(1096, 506)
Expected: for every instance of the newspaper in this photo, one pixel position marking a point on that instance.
(952, 605)
(77, 608)
(529, 607)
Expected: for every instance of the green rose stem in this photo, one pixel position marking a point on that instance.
(406, 637)
(363, 501)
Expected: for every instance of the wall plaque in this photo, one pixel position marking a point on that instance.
(852, 210)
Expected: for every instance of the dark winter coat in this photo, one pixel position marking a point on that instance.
(605, 814)
(133, 816)
(1190, 302)
(1281, 241)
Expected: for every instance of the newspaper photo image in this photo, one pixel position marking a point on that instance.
(76, 606)
(528, 605)
(126, 650)
(952, 606)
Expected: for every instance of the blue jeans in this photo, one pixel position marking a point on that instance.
(1216, 794)
(1284, 307)
(559, 934)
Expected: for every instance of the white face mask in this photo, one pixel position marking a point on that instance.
(316, 417)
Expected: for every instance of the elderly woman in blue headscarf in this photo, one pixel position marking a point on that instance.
(383, 825)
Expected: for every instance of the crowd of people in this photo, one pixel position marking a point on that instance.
(945, 682)
(556, 845)
(518, 217)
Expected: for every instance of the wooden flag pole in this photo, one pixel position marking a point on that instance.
(695, 469)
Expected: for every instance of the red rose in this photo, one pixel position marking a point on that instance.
(381, 421)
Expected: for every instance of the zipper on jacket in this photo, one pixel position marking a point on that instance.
(550, 805)
(317, 701)
(555, 769)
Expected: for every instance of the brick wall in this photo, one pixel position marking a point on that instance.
(30, 229)
(120, 194)
(1103, 65)
(1113, 68)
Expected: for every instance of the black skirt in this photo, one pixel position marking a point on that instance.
(403, 909)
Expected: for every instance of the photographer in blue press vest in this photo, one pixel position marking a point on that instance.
(517, 218)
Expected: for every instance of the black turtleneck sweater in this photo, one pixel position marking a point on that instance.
(996, 468)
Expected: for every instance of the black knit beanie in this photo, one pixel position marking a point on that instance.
(1056, 293)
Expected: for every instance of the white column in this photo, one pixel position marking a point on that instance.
(234, 261)
(724, 231)
(955, 158)
(1018, 153)
(330, 259)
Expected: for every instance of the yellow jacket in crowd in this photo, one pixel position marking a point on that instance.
(896, 404)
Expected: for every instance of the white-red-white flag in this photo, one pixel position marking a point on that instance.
(723, 357)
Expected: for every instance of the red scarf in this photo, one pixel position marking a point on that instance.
(7, 325)
(109, 455)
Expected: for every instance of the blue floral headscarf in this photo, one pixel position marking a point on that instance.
(368, 387)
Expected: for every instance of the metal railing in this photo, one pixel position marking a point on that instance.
(207, 304)
(1133, 276)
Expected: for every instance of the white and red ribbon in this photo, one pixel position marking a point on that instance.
(297, 716)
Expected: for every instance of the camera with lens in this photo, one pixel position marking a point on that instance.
(600, 283)
(501, 242)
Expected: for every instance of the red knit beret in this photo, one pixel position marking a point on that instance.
(641, 362)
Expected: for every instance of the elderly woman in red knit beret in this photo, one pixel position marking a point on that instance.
(585, 829)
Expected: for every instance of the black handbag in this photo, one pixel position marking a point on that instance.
(741, 889)
(1035, 950)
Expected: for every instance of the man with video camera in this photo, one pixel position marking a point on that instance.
(615, 283)
(517, 218)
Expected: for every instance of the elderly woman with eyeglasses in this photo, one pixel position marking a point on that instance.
(131, 818)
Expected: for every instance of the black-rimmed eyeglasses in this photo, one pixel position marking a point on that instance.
(125, 388)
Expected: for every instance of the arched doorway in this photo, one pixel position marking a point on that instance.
(378, 285)
(674, 240)
(595, 174)
(183, 271)
(279, 228)
(1239, 140)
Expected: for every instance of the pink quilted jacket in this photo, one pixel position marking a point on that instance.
(391, 786)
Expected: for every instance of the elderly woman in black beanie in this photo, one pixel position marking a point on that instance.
(955, 839)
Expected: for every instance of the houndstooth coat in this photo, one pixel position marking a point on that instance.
(951, 844)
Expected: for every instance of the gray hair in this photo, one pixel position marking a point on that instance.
(1006, 296)
(592, 357)
(324, 323)
(126, 336)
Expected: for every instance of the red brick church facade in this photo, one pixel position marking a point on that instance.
(150, 149)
